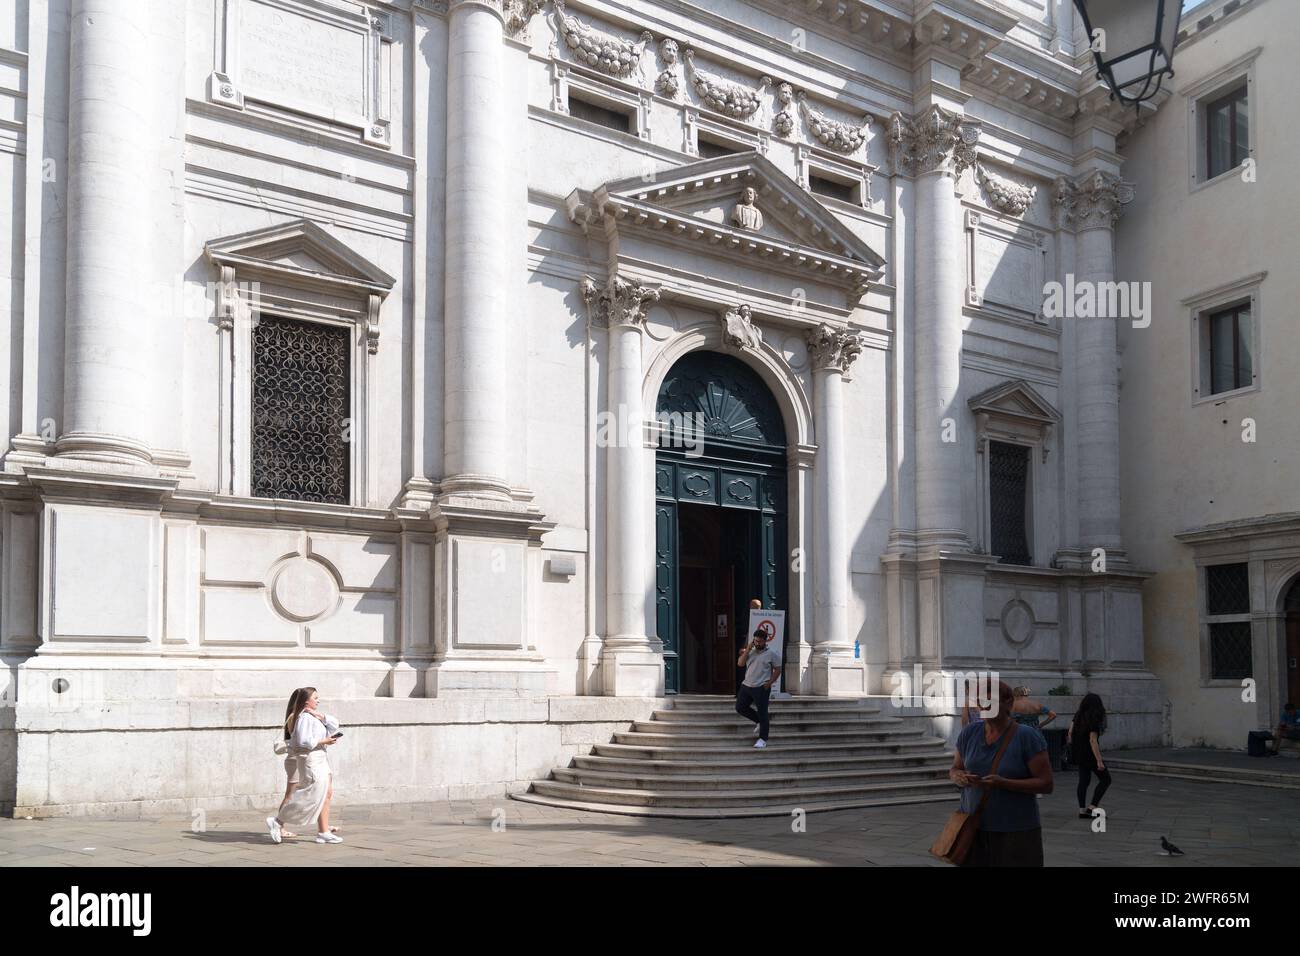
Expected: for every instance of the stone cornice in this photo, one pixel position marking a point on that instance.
(1092, 201)
(622, 302)
(937, 139)
(832, 349)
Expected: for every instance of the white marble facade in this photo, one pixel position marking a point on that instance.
(507, 272)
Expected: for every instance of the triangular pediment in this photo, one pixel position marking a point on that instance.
(298, 248)
(708, 191)
(1015, 399)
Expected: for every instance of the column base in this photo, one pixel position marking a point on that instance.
(632, 665)
(833, 671)
(97, 447)
(1083, 560)
(470, 486)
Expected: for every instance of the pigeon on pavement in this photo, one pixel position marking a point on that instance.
(1170, 848)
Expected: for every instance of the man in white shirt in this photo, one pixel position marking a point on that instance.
(762, 668)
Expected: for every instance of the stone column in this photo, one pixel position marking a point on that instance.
(108, 353)
(487, 554)
(631, 661)
(935, 148)
(476, 386)
(1091, 204)
(834, 670)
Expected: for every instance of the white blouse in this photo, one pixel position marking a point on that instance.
(308, 732)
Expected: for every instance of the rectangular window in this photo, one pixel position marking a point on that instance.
(1227, 613)
(1227, 133)
(711, 149)
(1009, 502)
(301, 410)
(1230, 359)
(830, 187)
(600, 115)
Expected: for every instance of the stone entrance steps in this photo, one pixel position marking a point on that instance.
(696, 759)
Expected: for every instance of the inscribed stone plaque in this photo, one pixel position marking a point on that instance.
(301, 61)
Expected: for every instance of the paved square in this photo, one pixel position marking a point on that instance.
(1215, 824)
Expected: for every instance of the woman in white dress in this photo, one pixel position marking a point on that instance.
(310, 788)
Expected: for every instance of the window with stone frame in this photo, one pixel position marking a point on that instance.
(301, 393)
(1009, 502)
(1227, 615)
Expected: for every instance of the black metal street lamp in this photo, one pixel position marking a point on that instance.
(1133, 43)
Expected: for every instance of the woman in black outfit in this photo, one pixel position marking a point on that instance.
(1085, 750)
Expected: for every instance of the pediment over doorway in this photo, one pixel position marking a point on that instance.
(302, 251)
(682, 218)
(1017, 399)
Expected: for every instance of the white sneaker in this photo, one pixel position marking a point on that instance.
(760, 744)
(328, 838)
(273, 825)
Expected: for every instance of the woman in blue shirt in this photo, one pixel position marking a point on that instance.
(1010, 832)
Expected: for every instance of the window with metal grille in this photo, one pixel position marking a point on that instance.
(1230, 650)
(600, 115)
(1227, 614)
(1009, 502)
(301, 405)
(711, 149)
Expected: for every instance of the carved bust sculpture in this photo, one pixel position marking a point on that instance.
(746, 215)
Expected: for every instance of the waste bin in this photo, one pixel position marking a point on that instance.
(1056, 752)
(1257, 742)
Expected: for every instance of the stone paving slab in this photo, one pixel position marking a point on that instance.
(1216, 824)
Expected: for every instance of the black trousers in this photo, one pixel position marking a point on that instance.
(1021, 848)
(751, 703)
(1103, 782)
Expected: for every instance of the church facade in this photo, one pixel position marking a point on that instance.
(478, 362)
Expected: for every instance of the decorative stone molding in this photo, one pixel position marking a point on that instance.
(833, 349)
(725, 96)
(518, 15)
(599, 50)
(621, 302)
(938, 139)
(833, 134)
(783, 122)
(1092, 201)
(747, 215)
(668, 82)
(739, 330)
(1003, 194)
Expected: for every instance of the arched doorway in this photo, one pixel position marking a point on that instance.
(720, 516)
(1291, 620)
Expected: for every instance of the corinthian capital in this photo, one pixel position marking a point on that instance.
(620, 302)
(1093, 200)
(937, 139)
(833, 349)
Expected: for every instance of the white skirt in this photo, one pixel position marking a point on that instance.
(310, 773)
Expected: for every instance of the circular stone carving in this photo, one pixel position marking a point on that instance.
(1018, 622)
(303, 590)
(796, 352)
(660, 323)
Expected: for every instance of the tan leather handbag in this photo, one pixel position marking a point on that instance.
(958, 834)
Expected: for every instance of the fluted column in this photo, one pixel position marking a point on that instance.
(935, 148)
(631, 661)
(1091, 204)
(108, 355)
(834, 669)
(476, 383)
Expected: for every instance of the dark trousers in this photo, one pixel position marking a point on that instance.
(751, 703)
(1021, 848)
(1103, 782)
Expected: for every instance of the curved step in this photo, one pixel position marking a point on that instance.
(740, 726)
(755, 779)
(789, 797)
(776, 750)
(778, 739)
(732, 812)
(936, 758)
